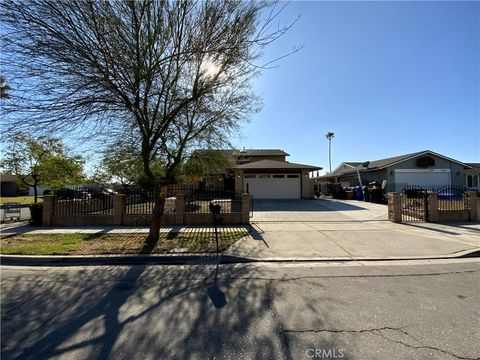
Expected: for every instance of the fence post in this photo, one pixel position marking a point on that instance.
(432, 207)
(48, 210)
(179, 209)
(394, 207)
(472, 199)
(245, 208)
(119, 205)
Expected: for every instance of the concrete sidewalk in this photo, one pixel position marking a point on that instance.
(26, 228)
(344, 240)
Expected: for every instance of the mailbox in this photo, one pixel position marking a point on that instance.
(215, 208)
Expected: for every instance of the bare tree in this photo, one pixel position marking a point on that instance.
(171, 74)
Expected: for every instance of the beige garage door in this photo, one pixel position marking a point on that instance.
(273, 186)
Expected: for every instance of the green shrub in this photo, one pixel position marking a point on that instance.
(36, 212)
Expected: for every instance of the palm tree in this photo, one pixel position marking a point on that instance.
(4, 89)
(330, 136)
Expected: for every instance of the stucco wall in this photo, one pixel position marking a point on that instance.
(307, 185)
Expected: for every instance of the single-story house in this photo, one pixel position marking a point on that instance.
(265, 174)
(422, 168)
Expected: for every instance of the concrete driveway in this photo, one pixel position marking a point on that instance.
(316, 211)
(331, 229)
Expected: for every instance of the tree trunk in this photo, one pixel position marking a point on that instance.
(157, 214)
(330, 154)
(35, 193)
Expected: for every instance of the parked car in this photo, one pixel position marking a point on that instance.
(100, 193)
(450, 193)
(68, 194)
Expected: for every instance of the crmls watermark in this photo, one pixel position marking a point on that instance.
(331, 353)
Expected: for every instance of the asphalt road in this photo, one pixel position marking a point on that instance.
(401, 310)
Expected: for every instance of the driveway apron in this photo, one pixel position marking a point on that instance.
(316, 229)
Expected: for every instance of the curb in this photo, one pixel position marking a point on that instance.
(199, 259)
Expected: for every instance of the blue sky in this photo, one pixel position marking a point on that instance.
(388, 78)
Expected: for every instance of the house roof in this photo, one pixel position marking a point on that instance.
(259, 152)
(276, 165)
(474, 165)
(383, 163)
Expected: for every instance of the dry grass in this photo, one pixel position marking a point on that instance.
(23, 200)
(131, 243)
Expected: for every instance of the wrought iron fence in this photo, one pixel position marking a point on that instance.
(83, 200)
(452, 198)
(141, 201)
(414, 200)
(198, 202)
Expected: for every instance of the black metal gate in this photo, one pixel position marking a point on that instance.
(414, 204)
(452, 198)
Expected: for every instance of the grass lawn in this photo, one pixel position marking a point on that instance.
(134, 243)
(24, 200)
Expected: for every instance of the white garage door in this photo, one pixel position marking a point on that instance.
(273, 186)
(421, 177)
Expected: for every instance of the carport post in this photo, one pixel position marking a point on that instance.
(245, 208)
(394, 207)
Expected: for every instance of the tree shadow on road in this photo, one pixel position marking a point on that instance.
(141, 311)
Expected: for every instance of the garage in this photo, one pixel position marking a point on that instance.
(421, 177)
(270, 179)
(273, 186)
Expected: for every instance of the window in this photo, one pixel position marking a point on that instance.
(278, 176)
(293, 176)
(472, 181)
(250, 176)
(264, 176)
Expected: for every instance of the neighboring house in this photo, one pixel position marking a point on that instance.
(266, 174)
(40, 190)
(423, 168)
(8, 184)
(472, 177)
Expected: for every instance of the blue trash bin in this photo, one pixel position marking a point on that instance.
(358, 193)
